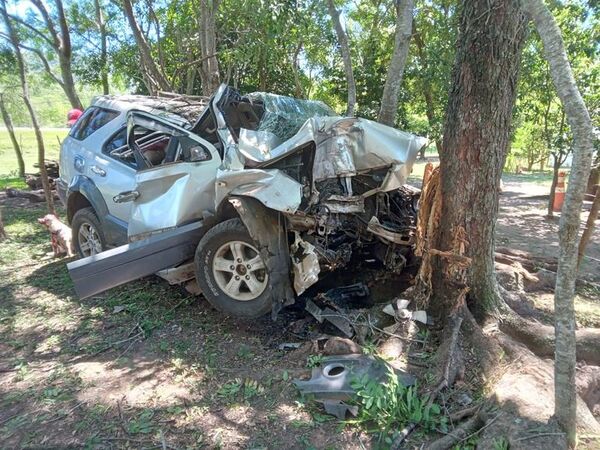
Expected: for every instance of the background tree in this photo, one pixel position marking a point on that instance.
(14, 40)
(47, 33)
(583, 143)
(153, 74)
(13, 138)
(393, 81)
(345, 52)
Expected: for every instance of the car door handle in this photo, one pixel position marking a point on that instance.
(127, 196)
(98, 171)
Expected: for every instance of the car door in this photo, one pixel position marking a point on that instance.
(175, 191)
(113, 175)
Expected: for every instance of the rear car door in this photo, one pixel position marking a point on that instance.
(175, 180)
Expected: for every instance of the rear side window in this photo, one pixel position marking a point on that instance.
(92, 120)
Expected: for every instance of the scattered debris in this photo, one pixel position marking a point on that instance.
(341, 346)
(330, 383)
(289, 346)
(335, 318)
(119, 308)
(399, 311)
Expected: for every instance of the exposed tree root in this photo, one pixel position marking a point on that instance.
(449, 357)
(463, 432)
(539, 338)
(528, 386)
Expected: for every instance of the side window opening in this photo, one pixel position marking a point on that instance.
(116, 147)
(92, 120)
(159, 148)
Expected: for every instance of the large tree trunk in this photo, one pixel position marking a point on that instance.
(345, 51)
(13, 139)
(391, 90)
(14, 40)
(154, 76)
(476, 140)
(209, 69)
(583, 138)
(101, 24)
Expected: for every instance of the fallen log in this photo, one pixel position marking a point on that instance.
(36, 196)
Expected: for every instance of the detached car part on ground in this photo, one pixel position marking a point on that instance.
(270, 193)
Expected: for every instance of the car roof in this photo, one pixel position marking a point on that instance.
(172, 107)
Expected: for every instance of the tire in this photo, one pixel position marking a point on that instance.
(86, 223)
(217, 267)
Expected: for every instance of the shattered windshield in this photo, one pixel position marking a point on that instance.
(283, 116)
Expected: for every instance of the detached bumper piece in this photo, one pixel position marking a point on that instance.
(331, 383)
(97, 273)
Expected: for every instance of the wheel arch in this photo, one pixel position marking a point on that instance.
(83, 193)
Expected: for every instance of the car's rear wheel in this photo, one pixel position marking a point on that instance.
(231, 272)
(88, 238)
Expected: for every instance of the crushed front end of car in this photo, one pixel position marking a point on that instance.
(335, 185)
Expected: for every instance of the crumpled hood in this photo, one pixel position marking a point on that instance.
(344, 147)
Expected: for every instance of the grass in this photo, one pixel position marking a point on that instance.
(135, 365)
(26, 137)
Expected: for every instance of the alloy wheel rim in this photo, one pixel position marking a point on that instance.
(240, 271)
(89, 240)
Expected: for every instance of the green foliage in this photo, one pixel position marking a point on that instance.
(385, 408)
(314, 361)
(240, 389)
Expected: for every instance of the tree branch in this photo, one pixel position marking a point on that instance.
(44, 62)
(32, 28)
(49, 23)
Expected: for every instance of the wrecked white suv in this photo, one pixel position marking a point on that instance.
(271, 193)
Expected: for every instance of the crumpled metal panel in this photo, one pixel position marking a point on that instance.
(257, 145)
(345, 146)
(273, 188)
(268, 230)
(171, 196)
(305, 264)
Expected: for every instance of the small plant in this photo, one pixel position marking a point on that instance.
(385, 408)
(500, 443)
(247, 388)
(143, 424)
(314, 361)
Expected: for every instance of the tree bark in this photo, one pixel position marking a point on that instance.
(209, 69)
(589, 228)
(101, 24)
(345, 51)
(391, 90)
(581, 127)
(14, 40)
(13, 139)
(476, 141)
(154, 76)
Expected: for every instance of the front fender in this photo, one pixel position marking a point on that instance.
(272, 188)
(267, 228)
(87, 188)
